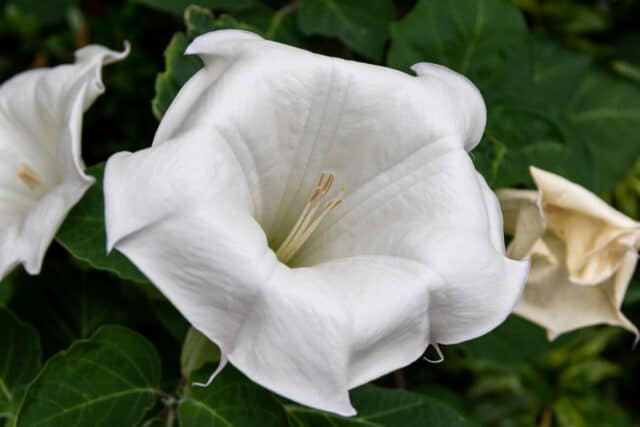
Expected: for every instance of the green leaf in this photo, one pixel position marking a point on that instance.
(361, 25)
(382, 407)
(83, 233)
(283, 28)
(231, 400)
(475, 38)
(66, 304)
(178, 6)
(515, 342)
(569, 117)
(180, 67)
(20, 360)
(547, 106)
(108, 380)
(197, 351)
(604, 113)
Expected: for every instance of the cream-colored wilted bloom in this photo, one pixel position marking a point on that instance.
(319, 219)
(41, 169)
(582, 251)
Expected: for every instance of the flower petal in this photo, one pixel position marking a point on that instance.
(553, 301)
(323, 330)
(595, 234)
(308, 334)
(42, 173)
(438, 211)
(310, 113)
(414, 254)
(523, 218)
(464, 97)
(198, 168)
(182, 213)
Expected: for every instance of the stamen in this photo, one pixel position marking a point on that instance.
(308, 221)
(27, 175)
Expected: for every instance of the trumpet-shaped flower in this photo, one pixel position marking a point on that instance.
(582, 251)
(319, 219)
(41, 170)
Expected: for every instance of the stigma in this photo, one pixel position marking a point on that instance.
(310, 218)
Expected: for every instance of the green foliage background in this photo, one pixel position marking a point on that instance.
(90, 342)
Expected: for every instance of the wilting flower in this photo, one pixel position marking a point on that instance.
(41, 170)
(582, 251)
(319, 219)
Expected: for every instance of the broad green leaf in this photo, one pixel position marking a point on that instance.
(476, 38)
(83, 234)
(515, 342)
(180, 67)
(197, 351)
(178, 6)
(527, 124)
(361, 24)
(20, 355)
(66, 304)
(382, 407)
(547, 106)
(108, 380)
(199, 21)
(588, 117)
(604, 113)
(283, 28)
(231, 400)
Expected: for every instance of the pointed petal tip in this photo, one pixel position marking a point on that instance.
(214, 374)
(538, 174)
(473, 108)
(217, 42)
(98, 56)
(348, 411)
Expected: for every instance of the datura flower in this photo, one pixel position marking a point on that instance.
(41, 170)
(582, 251)
(319, 219)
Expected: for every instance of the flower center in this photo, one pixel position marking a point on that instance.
(27, 175)
(310, 218)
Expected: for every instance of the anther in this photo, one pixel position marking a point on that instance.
(308, 220)
(27, 175)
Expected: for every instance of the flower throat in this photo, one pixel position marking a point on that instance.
(310, 218)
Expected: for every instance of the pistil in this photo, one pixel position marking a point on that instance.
(310, 218)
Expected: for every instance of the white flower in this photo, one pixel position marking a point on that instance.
(583, 253)
(399, 243)
(41, 171)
